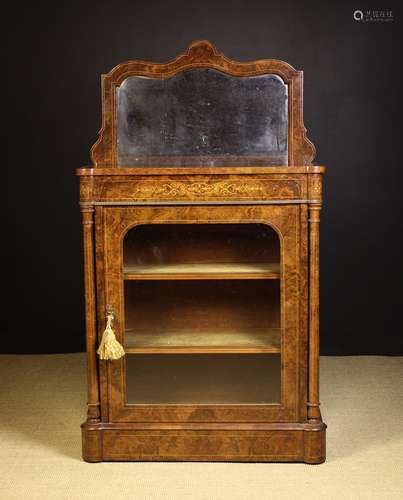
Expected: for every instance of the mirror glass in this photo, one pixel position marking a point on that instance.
(202, 117)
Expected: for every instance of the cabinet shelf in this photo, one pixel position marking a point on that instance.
(248, 342)
(205, 271)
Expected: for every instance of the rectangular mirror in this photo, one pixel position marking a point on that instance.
(202, 117)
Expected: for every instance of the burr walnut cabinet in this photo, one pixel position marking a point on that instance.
(201, 235)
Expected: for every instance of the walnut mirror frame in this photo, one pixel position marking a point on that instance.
(201, 54)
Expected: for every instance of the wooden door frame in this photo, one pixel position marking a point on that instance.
(286, 221)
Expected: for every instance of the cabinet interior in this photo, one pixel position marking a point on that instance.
(202, 309)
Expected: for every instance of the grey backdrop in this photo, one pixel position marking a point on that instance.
(352, 91)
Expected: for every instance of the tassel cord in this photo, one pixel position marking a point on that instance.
(110, 348)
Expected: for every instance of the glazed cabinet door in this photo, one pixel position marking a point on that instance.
(207, 303)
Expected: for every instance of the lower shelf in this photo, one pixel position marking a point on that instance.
(203, 342)
(203, 379)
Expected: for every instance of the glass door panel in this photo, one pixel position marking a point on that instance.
(202, 314)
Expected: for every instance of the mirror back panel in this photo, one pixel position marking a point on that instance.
(202, 110)
(202, 117)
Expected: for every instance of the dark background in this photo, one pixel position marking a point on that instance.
(56, 56)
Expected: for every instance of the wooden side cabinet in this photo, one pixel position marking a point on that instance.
(201, 239)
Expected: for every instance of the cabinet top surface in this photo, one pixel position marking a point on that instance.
(202, 110)
(162, 171)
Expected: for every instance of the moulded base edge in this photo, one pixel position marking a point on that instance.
(275, 442)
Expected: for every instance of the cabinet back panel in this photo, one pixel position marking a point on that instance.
(202, 306)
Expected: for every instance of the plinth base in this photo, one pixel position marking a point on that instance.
(275, 442)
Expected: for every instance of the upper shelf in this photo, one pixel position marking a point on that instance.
(191, 271)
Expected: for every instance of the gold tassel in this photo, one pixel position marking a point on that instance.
(109, 347)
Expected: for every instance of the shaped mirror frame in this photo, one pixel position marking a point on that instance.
(202, 109)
